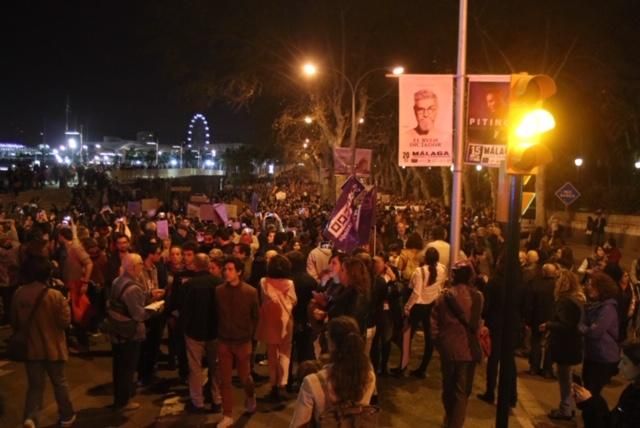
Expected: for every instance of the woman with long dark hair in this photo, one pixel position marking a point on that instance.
(426, 284)
(354, 299)
(348, 377)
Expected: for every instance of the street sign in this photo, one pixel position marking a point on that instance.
(567, 193)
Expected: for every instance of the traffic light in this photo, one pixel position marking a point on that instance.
(527, 122)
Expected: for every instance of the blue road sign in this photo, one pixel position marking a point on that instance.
(567, 193)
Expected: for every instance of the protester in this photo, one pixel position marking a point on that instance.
(600, 331)
(237, 308)
(455, 320)
(626, 413)
(275, 325)
(127, 312)
(426, 283)
(348, 377)
(305, 285)
(565, 342)
(200, 330)
(44, 315)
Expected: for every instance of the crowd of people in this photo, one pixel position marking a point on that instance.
(327, 320)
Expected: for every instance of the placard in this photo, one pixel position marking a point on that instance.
(150, 204)
(162, 227)
(193, 210)
(134, 207)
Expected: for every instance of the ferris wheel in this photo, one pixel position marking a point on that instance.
(198, 131)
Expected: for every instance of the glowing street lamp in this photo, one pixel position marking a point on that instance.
(578, 162)
(308, 120)
(478, 168)
(309, 69)
(637, 164)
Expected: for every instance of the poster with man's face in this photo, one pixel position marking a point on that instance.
(426, 120)
(487, 131)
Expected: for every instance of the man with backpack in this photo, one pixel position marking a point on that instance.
(127, 315)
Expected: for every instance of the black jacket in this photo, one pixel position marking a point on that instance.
(566, 343)
(539, 306)
(198, 312)
(353, 304)
(304, 285)
(626, 414)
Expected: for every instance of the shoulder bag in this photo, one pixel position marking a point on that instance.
(17, 346)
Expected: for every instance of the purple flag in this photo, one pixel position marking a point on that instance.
(342, 228)
(366, 215)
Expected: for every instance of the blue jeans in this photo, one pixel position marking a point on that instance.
(566, 396)
(35, 390)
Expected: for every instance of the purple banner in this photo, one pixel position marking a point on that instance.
(353, 216)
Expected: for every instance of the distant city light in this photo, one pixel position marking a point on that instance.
(208, 162)
(213, 153)
(478, 168)
(578, 162)
(271, 168)
(73, 143)
(637, 164)
(173, 162)
(62, 148)
(308, 120)
(361, 120)
(98, 146)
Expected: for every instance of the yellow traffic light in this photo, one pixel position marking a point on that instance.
(528, 121)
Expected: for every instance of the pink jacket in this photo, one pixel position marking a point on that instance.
(278, 297)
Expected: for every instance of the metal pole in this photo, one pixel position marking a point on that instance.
(458, 152)
(512, 280)
(352, 136)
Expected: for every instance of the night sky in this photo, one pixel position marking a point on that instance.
(114, 59)
(93, 52)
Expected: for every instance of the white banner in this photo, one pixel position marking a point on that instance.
(426, 120)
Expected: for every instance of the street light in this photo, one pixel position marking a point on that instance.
(397, 71)
(180, 149)
(310, 70)
(308, 120)
(637, 164)
(578, 162)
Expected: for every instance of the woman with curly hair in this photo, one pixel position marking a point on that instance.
(348, 377)
(601, 332)
(565, 342)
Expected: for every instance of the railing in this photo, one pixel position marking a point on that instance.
(125, 175)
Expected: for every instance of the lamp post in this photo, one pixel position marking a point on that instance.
(311, 70)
